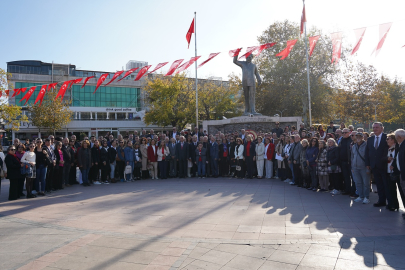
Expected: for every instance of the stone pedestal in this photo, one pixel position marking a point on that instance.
(256, 123)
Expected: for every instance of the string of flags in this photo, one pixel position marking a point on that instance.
(177, 65)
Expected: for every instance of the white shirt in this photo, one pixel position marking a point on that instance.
(391, 154)
(174, 135)
(265, 151)
(28, 157)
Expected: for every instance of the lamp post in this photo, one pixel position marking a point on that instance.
(375, 112)
(281, 112)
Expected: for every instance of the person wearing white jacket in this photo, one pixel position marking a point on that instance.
(30, 157)
(260, 157)
(239, 148)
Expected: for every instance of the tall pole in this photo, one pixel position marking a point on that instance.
(309, 86)
(196, 87)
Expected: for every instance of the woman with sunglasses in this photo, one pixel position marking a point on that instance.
(13, 165)
(28, 160)
(41, 164)
(20, 151)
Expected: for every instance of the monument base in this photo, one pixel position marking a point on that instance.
(253, 122)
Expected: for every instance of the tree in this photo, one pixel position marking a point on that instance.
(52, 114)
(216, 100)
(169, 101)
(285, 81)
(10, 114)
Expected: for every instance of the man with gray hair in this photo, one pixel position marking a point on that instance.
(376, 161)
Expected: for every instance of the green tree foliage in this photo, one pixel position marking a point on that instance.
(10, 114)
(285, 81)
(53, 114)
(171, 100)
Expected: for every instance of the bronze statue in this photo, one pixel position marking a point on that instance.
(249, 71)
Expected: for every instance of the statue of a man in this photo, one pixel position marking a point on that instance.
(249, 71)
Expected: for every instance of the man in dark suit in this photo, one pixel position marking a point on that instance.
(376, 153)
(68, 158)
(172, 157)
(193, 147)
(214, 155)
(182, 156)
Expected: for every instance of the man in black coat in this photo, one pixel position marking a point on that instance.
(192, 148)
(182, 151)
(376, 153)
(344, 155)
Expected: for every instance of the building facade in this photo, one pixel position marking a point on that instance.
(115, 108)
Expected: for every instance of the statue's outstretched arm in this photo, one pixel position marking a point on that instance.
(236, 62)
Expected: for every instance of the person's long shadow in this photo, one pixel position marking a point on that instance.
(360, 228)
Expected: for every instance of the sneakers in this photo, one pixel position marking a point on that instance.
(288, 180)
(106, 183)
(335, 192)
(310, 188)
(292, 183)
(314, 189)
(365, 201)
(97, 183)
(358, 199)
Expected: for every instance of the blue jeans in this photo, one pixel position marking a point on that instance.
(41, 176)
(201, 168)
(314, 178)
(85, 175)
(292, 171)
(214, 167)
(362, 180)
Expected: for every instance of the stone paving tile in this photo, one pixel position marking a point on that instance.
(214, 224)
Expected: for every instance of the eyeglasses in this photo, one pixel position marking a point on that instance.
(345, 132)
(31, 146)
(12, 149)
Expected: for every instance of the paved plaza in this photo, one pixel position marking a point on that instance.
(198, 224)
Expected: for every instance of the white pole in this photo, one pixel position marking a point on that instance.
(196, 87)
(309, 86)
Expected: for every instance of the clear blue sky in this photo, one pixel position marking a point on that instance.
(104, 35)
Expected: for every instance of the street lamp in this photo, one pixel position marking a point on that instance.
(281, 112)
(375, 111)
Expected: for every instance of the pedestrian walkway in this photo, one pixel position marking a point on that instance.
(195, 223)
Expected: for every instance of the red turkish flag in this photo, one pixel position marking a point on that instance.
(77, 81)
(100, 81)
(189, 33)
(52, 85)
(142, 72)
(212, 55)
(41, 94)
(312, 43)
(28, 95)
(336, 46)
(384, 29)
(187, 64)
(127, 73)
(284, 53)
(86, 80)
(359, 37)
(159, 66)
(264, 46)
(174, 66)
(23, 89)
(63, 89)
(7, 92)
(116, 75)
(303, 20)
(249, 51)
(233, 53)
(16, 92)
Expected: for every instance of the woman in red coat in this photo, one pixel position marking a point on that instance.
(152, 158)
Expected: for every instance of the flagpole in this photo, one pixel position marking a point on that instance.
(196, 87)
(309, 86)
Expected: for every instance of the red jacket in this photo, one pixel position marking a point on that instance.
(152, 155)
(270, 151)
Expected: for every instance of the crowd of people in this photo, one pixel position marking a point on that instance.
(342, 161)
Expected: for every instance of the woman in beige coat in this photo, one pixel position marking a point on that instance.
(259, 157)
(144, 153)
